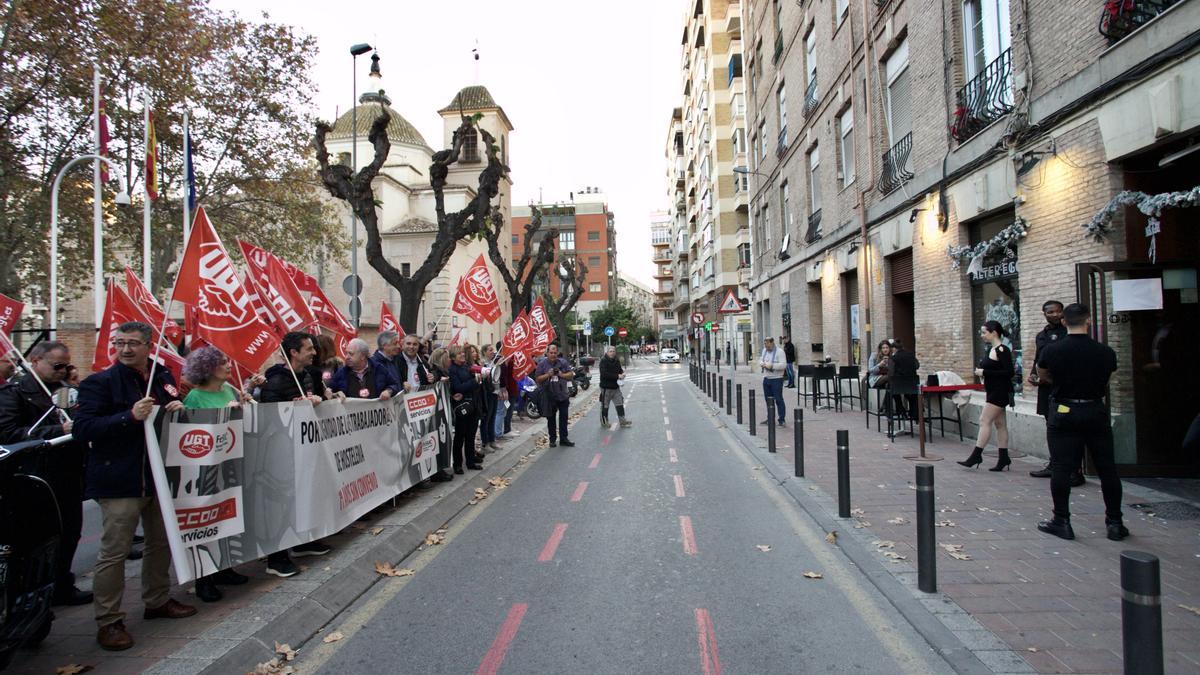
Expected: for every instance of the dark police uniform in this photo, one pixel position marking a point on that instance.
(1078, 419)
(1046, 337)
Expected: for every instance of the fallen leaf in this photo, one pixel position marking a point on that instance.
(499, 482)
(387, 570)
(440, 530)
(285, 651)
(813, 575)
(885, 544)
(952, 547)
(959, 556)
(1031, 649)
(831, 537)
(756, 468)
(376, 531)
(72, 669)
(1193, 610)
(332, 637)
(480, 493)
(433, 539)
(473, 502)
(763, 547)
(898, 520)
(895, 557)
(272, 667)
(857, 512)
(945, 523)
(358, 526)
(617, 499)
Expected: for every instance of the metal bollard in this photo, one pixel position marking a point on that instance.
(843, 470)
(712, 386)
(739, 404)
(926, 537)
(720, 392)
(753, 422)
(798, 440)
(729, 396)
(1141, 613)
(770, 427)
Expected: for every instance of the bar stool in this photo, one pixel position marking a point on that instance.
(941, 418)
(825, 388)
(896, 418)
(848, 374)
(882, 400)
(804, 384)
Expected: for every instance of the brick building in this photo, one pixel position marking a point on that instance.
(925, 130)
(583, 228)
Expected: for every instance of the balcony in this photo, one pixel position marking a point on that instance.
(782, 146)
(811, 98)
(664, 303)
(814, 227)
(984, 99)
(735, 67)
(1121, 17)
(778, 48)
(663, 255)
(895, 169)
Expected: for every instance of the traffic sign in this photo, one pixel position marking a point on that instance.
(698, 318)
(716, 327)
(621, 332)
(352, 284)
(587, 324)
(587, 330)
(708, 325)
(355, 307)
(608, 331)
(730, 304)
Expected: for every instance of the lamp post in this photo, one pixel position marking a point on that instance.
(355, 52)
(98, 276)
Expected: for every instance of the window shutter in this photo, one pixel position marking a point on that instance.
(902, 272)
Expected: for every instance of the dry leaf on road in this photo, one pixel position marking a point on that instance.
(952, 547)
(433, 539)
(813, 575)
(831, 537)
(885, 544)
(893, 556)
(1031, 649)
(860, 524)
(376, 531)
(959, 556)
(857, 512)
(617, 499)
(72, 669)
(387, 570)
(945, 523)
(285, 651)
(898, 520)
(333, 637)
(272, 667)
(481, 494)
(499, 482)
(763, 547)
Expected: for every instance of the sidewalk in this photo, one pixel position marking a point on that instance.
(239, 631)
(1056, 603)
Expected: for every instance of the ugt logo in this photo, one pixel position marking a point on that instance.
(196, 443)
(224, 304)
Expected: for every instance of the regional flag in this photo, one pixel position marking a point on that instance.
(476, 296)
(151, 158)
(102, 139)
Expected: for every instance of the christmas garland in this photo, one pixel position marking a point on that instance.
(1151, 205)
(1003, 241)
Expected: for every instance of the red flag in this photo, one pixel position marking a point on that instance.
(145, 301)
(257, 259)
(458, 335)
(260, 307)
(171, 360)
(285, 299)
(539, 323)
(226, 317)
(119, 307)
(328, 316)
(103, 140)
(151, 158)
(519, 336)
(10, 313)
(476, 296)
(522, 364)
(387, 321)
(342, 344)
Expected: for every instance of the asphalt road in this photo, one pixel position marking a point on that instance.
(635, 551)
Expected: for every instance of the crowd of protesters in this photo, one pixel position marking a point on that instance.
(107, 459)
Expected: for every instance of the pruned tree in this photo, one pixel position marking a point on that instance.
(357, 191)
(572, 275)
(524, 276)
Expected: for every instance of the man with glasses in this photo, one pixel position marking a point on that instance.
(113, 404)
(28, 412)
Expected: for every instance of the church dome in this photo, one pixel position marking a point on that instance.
(399, 130)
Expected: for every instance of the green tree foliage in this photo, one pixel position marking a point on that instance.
(618, 314)
(249, 91)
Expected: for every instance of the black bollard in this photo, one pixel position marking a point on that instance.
(770, 428)
(729, 396)
(712, 386)
(720, 392)
(739, 404)
(843, 470)
(926, 537)
(1141, 613)
(798, 440)
(753, 422)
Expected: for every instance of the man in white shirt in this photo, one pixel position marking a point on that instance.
(773, 365)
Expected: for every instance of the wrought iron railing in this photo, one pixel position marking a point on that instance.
(1121, 17)
(778, 48)
(984, 99)
(895, 169)
(814, 227)
(783, 143)
(810, 97)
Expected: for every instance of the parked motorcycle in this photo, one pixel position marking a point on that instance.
(30, 527)
(529, 399)
(583, 378)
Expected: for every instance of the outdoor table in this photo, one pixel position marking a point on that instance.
(921, 391)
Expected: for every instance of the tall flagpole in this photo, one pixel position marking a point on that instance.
(97, 210)
(146, 207)
(187, 209)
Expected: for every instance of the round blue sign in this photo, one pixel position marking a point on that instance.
(608, 331)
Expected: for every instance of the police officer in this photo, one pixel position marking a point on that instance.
(1077, 368)
(1053, 332)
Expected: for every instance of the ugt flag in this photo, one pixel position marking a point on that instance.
(328, 316)
(225, 317)
(543, 332)
(257, 258)
(144, 299)
(476, 297)
(120, 308)
(388, 322)
(519, 337)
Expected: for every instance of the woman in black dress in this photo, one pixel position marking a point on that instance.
(996, 369)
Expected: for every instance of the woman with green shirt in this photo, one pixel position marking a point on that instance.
(208, 370)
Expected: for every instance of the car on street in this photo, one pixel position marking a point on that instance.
(668, 355)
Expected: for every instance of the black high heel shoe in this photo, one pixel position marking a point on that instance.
(1003, 462)
(974, 460)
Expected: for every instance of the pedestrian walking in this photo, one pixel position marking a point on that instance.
(209, 371)
(28, 412)
(552, 374)
(773, 364)
(789, 353)
(112, 406)
(361, 377)
(1078, 368)
(1053, 331)
(996, 369)
(464, 394)
(612, 375)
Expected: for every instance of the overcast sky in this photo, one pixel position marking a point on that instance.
(589, 86)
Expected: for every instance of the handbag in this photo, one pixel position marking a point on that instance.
(464, 408)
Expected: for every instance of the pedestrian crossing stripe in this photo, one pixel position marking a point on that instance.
(656, 377)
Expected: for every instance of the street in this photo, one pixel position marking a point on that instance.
(658, 548)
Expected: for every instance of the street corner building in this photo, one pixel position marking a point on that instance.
(860, 170)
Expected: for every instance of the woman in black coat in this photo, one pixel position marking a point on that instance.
(611, 375)
(464, 397)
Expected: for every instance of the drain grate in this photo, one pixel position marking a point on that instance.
(1169, 510)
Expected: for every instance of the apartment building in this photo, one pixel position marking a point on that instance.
(706, 141)
(916, 172)
(663, 257)
(584, 228)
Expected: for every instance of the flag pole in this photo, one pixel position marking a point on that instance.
(187, 207)
(262, 295)
(146, 206)
(97, 207)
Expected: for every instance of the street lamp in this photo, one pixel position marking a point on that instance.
(356, 51)
(98, 274)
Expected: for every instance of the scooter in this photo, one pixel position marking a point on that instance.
(583, 378)
(30, 527)
(529, 398)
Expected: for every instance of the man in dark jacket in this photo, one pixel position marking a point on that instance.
(360, 378)
(611, 375)
(388, 353)
(903, 379)
(789, 355)
(412, 369)
(27, 412)
(112, 407)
